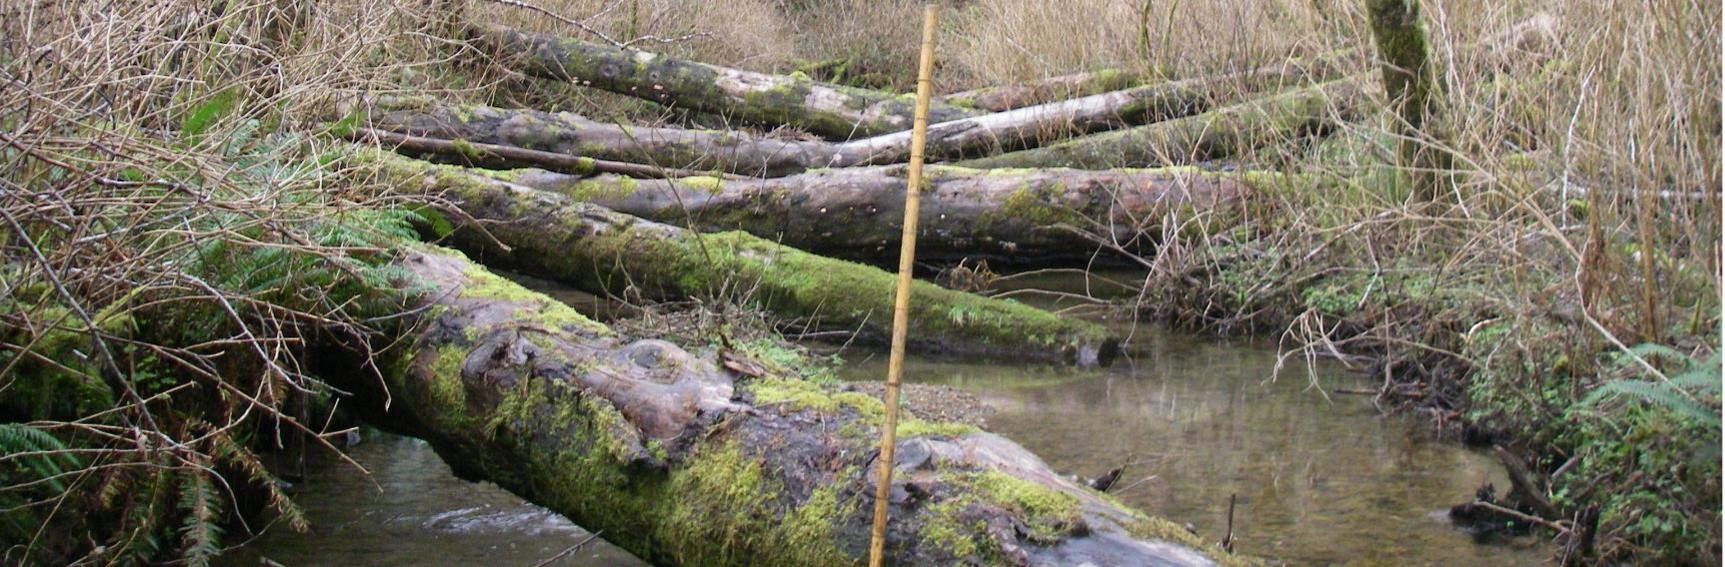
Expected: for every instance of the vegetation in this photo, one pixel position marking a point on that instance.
(1522, 239)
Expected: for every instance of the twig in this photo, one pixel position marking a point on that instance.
(570, 549)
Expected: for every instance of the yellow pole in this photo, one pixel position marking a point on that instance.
(901, 304)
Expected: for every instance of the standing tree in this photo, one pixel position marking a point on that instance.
(1411, 82)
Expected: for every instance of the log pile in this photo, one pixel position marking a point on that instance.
(710, 454)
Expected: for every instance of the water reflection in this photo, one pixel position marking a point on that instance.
(413, 511)
(1319, 481)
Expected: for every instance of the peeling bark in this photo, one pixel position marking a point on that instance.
(683, 463)
(831, 111)
(1216, 134)
(1025, 217)
(597, 249)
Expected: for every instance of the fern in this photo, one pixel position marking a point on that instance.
(200, 533)
(1684, 393)
(16, 438)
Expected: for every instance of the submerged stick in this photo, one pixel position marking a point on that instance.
(901, 305)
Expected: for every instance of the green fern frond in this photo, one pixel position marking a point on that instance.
(200, 533)
(1657, 393)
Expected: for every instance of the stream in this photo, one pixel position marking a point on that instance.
(1317, 479)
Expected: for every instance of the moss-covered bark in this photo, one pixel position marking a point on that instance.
(1024, 217)
(1216, 134)
(678, 461)
(569, 134)
(831, 111)
(598, 249)
(1411, 84)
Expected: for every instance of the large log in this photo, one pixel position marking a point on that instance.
(682, 462)
(1212, 135)
(570, 134)
(1001, 98)
(1025, 217)
(598, 249)
(831, 111)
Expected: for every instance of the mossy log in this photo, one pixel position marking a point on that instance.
(678, 460)
(601, 250)
(1030, 126)
(570, 134)
(501, 157)
(830, 111)
(1023, 217)
(1001, 98)
(1216, 134)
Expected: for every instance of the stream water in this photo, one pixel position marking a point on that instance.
(1318, 480)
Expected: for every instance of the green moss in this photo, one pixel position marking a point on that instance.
(1030, 500)
(483, 284)
(703, 183)
(909, 428)
(944, 528)
(468, 150)
(447, 390)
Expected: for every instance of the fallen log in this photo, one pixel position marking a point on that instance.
(1001, 98)
(570, 134)
(1028, 127)
(682, 462)
(598, 249)
(830, 111)
(501, 157)
(1025, 217)
(1216, 134)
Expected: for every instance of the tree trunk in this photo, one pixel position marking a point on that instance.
(682, 462)
(569, 134)
(1029, 127)
(1028, 217)
(831, 111)
(1411, 85)
(597, 249)
(1001, 98)
(1216, 134)
(492, 156)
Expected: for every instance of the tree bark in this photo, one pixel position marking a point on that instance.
(1001, 98)
(569, 134)
(682, 462)
(598, 249)
(1411, 83)
(830, 111)
(1024, 217)
(493, 156)
(1213, 135)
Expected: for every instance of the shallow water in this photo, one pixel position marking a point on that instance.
(1318, 481)
(413, 511)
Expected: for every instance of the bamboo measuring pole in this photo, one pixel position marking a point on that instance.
(901, 304)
